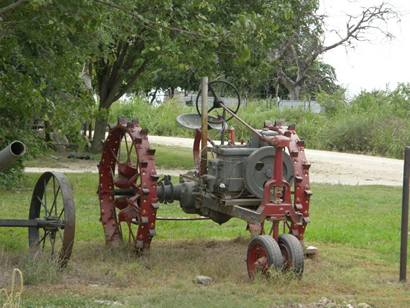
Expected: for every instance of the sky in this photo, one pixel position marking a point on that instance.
(376, 64)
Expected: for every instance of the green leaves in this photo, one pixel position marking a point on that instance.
(44, 45)
(244, 55)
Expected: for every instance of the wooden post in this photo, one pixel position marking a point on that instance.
(405, 216)
(204, 125)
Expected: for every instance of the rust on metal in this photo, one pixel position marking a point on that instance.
(204, 125)
(264, 182)
(128, 187)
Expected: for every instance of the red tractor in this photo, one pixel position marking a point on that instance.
(264, 182)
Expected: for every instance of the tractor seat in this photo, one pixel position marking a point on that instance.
(193, 121)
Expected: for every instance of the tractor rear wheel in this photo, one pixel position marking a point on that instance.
(128, 186)
(263, 254)
(292, 251)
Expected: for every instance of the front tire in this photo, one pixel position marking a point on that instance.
(292, 251)
(263, 254)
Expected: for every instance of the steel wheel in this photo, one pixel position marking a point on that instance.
(263, 254)
(292, 252)
(52, 203)
(128, 187)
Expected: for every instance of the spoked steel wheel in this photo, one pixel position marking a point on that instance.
(292, 251)
(52, 206)
(263, 254)
(128, 187)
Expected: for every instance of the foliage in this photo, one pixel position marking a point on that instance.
(169, 44)
(42, 55)
(159, 120)
(373, 122)
(39, 69)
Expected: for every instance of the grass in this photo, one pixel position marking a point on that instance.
(355, 228)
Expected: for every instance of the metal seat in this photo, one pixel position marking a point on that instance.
(193, 121)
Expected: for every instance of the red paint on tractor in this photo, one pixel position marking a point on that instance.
(138, 208)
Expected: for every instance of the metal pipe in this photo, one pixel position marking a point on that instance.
(182, 218)
(204, 125)
(242, 121)
(11, 153)
(31, 223)
(275, 141)
(405, 216)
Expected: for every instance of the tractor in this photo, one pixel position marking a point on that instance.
(264, 182)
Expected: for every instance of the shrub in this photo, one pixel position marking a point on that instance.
(353, 134)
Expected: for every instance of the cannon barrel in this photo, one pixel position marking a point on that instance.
(11, 153)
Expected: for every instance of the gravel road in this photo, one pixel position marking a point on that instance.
(327, 167)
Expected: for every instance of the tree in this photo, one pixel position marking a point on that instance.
(42, 54)
(137, 39)
(306, 43)
(166, 44)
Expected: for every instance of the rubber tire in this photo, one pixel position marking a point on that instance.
(293, 255)
(273, 252)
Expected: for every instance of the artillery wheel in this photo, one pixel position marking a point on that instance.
(263, 254)
(128, 187)
(52, 203)
(293, 254)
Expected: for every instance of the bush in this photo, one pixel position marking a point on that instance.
(374, 123)
(353, 134)
(159, 120)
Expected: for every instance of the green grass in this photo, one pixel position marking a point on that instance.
(359, 216)
(173, 157)
(355, 228)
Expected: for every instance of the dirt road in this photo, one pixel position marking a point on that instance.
(327, 167)
(334, 167)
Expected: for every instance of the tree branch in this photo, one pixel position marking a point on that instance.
(12, 6)
(131, 80)
(365, 21)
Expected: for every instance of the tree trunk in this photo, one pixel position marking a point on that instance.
(154, 96)
(171, 92)
(47, 131)
(99, 132)
(90, 130)
(294, 93)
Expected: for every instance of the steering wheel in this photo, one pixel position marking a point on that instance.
(222, 92)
